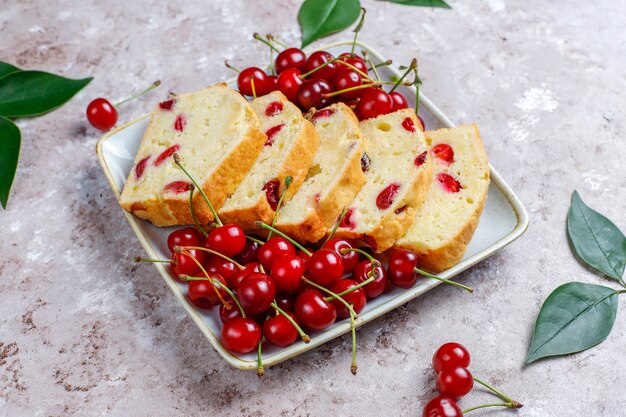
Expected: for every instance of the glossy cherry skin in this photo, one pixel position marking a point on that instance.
(244, 81)
(279, 331)
(248, 253)
(289, 82)
(221, 266)
(256, 292)
(313, 311)
(287, 273)
(238, 276)
(400, 268)
(451, 355)
(311, 93)
(228, 239)
(284, 301)
(354, 60)
(349, 258)
(399, 101)
(241, 335)
(274, 249)
(271, 84)
(454, 382)
(289, 58)
(356, 298)
(325, 267)
(317, 59)
(362, 273)
(184, 265)
(442, 407)
(187, 236)
(101, 114)
(373, 103)
(227, 314)
(202, 293)
(304, 256)
(348, 78)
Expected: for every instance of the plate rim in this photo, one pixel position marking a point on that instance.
(342, 327)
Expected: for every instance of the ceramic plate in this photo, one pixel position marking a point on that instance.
(504, 219)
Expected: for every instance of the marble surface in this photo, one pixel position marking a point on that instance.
(85, 332)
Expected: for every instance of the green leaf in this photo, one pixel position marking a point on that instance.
(575, 317)
(596, 240)
(31, 93)
(423, 3)
(10, 139)
(319, 18)
(6, 69)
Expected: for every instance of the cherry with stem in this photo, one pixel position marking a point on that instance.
(212, 252)
(305, 337)
(188, 278)
(206, 274)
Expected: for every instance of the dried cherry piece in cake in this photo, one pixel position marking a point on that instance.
(166, 154)
(444, 152)
(271, 193)
(387, 196)
(448, 182)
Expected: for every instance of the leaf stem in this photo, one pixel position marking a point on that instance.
(357, 29)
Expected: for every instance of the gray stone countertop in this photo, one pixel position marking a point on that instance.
(85, 332)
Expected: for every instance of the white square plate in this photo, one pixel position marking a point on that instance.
(504, 219)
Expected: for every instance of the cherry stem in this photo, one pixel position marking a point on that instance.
(347, 64)
(192, 188)
(252, 86)
(271, 37)
(288, 181)
(211, 251)
(231, 67)
(260, 38)
(332, 294)
(336, 225)
(383, 64)
(411, 67)
(206, 199)
(259, 355)
(305, 337)
(187, 278)
(140, 259)
(347, 90)
(418, 84)
(357, 29)
(262, 225)
(254, 239)
(369, 61)
(498, 393)
(447, 281)
(353, 367)
(356, 287)
(373, 260)
(507, 405)
(147, 90)
(206, 274)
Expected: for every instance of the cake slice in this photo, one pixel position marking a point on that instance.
(334, 178)
(289, 149)
(215, 132)
(448, 218)
(397, 177)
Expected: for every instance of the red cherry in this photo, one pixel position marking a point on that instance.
(228, 239)
(356, 298)
(284, 301)
(362, 273)
(289, 58)
(400, 268)
(279, 331)
(187, 236)
(421, 158)
(183, 264)
(101, 114)
(274, 249)
(241, 335)
(325, 267)
(386, 197)
(442, 407)
(444, 152)
(287, 272)
(373, 103)
(450, 355)
(166, 154)
(221, 266)
(271, 84)
(313, 311)
(202, 293)
(448, 182)
(238, 276)
(289, 82)
(454, 382)
(355, 61)
(399, 101)
(310, 93)
(349, 258)
(256, 292)
(304, 256)
(244, 82)
(347, 78)
(317, 59)
(249, 252)
(227, 314)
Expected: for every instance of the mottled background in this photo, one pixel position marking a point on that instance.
(85, 332)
